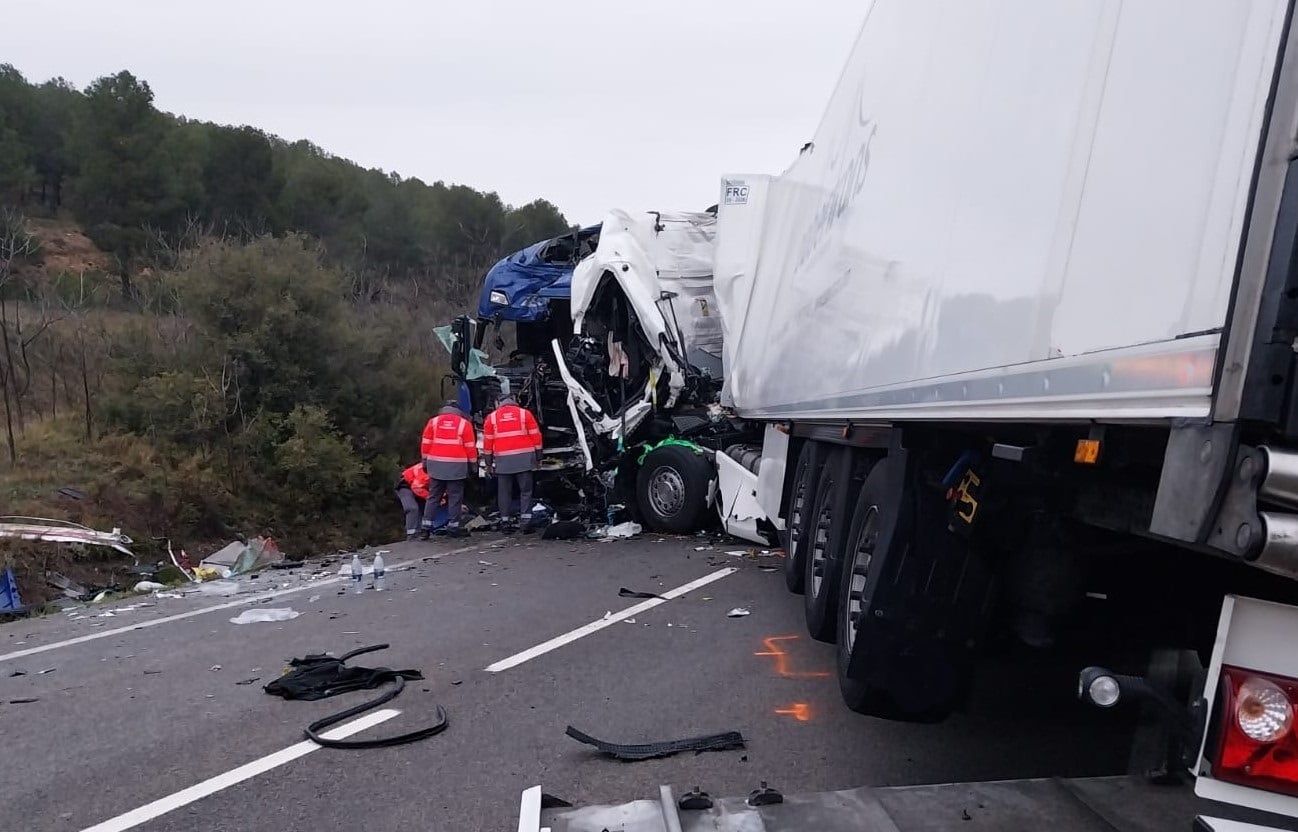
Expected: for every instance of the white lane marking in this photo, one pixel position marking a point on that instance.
(529, 811)
(247, 771)
(595, 626)
(252, 599)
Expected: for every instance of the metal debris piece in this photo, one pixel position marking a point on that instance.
(738, 612)
(648, 751)
(61, 531)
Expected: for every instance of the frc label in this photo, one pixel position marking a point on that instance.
(736, 192)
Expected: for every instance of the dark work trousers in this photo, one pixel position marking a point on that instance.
(505, 484)
(413, 507)
(454, 491)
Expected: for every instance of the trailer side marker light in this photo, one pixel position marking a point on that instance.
(1087, 452)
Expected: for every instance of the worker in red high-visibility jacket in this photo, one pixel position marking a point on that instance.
(450, 451)
(412, 491)
(511, 442)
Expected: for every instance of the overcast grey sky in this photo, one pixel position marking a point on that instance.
(591, 105)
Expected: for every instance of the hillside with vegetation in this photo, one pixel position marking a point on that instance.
(207, 330)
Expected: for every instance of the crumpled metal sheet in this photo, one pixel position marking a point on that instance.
(61, 531)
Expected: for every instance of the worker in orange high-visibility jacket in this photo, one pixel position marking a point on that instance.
(412, 491)
(511, 442)
(450, 451)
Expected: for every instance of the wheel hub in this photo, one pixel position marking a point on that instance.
(667, 492)
(858, 574)
(820, 543)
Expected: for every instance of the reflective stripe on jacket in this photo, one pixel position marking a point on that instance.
(449, 447)
(510, 430)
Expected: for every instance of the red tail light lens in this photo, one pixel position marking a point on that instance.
(1256, 742)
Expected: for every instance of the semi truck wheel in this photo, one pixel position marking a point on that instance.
(826, 527)
(914, 600)
(672, 489)
(802, 492)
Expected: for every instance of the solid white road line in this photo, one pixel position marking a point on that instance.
(595, 626)
(252, 599)
(171, 802)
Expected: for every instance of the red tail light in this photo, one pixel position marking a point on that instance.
(1256, 741)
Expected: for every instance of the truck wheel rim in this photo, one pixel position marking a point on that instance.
(795, 516)
(667, 492)
(820, 540)
(862, 554)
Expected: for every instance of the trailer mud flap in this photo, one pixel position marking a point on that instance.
(928, 597)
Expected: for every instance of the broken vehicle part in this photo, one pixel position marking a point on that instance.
(265, 616)
(630, 593)
(318, 676)
(61, 531)
(647, 751)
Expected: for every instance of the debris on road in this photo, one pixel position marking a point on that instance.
(248, 681)
(265, 616)
(647, 751)
(215, 668)
(738, 612)
(9, 599)
(25, 701)
(630, 593)
(317, 676)
(148, 586)
(564, 530)
(238, 557)
(621, 531)
(46, 670)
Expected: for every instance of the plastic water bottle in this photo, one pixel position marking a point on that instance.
(380, 581)
(358, 575)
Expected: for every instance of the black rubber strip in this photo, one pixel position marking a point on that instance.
(650, 750)
(312, 730)
(631, 593)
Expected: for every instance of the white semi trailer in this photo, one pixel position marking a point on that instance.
(1022, 316)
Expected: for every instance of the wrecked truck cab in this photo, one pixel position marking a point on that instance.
(644, 370)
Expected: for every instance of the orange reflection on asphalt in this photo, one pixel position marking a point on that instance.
(782, 660)
(800, 711)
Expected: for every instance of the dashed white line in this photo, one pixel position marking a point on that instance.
(247, 771)
(252, 599)
(595, 626)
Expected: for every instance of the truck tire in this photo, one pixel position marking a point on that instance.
(672, 489)
(802, 491)
(826, 528)
(914, 601)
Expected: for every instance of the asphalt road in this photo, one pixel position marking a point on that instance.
(127, 718)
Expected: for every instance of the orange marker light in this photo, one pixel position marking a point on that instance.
(1087, 452)
(798, 710)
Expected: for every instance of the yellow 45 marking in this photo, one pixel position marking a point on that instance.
(966, 502)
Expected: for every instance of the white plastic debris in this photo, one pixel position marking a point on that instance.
(623, 530)
(738, 612)
(265, 616)
(101, 596)
(313, 599)
(149, 586)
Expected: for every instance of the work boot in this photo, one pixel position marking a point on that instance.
(425, 534)
(457, 532)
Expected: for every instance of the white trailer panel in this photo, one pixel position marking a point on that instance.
(1012, 209)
